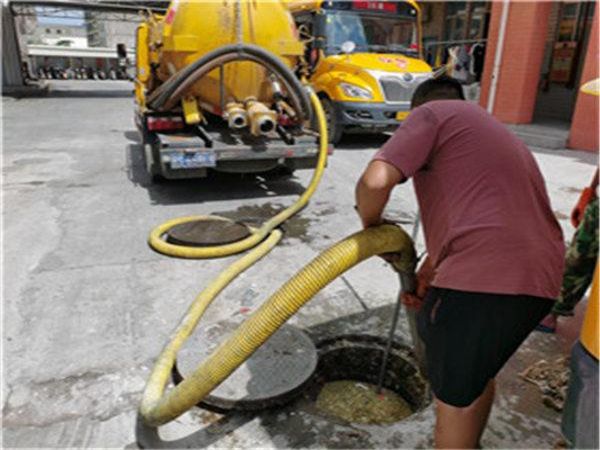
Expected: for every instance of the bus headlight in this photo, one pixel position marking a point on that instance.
(351, 90)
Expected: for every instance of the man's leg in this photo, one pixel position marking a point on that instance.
(462, 427)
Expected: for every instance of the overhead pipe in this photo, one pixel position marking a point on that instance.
(498, 56)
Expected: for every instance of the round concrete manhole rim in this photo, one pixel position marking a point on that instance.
(334, 366)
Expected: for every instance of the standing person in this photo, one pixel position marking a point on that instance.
(495, 248)
(580, 416)
(581, 258)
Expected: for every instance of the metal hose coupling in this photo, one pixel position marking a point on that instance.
(236, 115)
(262, 119)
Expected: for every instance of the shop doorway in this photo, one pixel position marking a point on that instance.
(568, 34)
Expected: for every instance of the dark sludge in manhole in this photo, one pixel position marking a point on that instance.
(201, 233)
(344, 386)
(274, 375)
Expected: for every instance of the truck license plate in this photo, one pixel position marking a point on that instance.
(193, 160)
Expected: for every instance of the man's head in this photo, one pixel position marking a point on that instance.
(441, 88)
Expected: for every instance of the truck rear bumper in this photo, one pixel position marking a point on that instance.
(187, 156)
(368, 115)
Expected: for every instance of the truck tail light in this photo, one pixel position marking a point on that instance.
(164, 123)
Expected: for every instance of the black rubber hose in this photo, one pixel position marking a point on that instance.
(237, 52)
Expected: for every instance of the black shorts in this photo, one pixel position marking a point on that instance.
(469, 336)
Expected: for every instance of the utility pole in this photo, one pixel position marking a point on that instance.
(12, 75)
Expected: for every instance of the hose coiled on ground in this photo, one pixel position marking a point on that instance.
(157, 409)
(157, 243)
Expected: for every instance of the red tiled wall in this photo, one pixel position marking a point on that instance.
(519, 74)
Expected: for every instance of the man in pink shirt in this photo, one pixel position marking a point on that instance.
(495, 249)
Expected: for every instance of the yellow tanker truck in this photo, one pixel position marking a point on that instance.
(366, 60)
(218, 86)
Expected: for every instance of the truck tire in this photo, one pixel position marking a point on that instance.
(334, 129)
(152, 162)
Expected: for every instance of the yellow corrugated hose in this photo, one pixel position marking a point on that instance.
(158, 408)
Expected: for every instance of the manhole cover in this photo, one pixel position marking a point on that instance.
(207, 232)
(273, 375)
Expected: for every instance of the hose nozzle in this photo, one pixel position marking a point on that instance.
(236, 115)
(262, 119)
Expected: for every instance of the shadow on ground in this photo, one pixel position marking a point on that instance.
(88, 93)
(362, 141)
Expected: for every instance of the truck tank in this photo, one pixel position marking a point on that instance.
(190, 29)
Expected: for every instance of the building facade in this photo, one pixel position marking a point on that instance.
(539, 54)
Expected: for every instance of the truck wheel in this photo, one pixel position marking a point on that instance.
(153, 167)
(334, 129)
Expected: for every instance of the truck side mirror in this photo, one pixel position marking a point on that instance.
(121, 51)
(320, 22)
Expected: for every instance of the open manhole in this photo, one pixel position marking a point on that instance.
(346, 378)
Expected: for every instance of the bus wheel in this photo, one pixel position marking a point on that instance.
(334, 129)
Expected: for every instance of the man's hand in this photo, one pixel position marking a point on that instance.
(425, 275)
(390, 257)
(373, 191)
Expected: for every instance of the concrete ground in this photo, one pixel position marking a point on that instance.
(87, 305)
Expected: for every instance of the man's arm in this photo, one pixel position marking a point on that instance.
(373, 191)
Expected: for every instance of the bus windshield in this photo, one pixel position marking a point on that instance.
(370, 33)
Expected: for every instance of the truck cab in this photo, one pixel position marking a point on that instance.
(366, 60)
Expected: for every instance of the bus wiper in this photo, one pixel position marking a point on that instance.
(335, 49)
(394, 48)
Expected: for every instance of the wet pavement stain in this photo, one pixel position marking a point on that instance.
(326, 212)
(255, 215)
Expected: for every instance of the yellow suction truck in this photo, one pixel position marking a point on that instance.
(366, 60)
(218, 86)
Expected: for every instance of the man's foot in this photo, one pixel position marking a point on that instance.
(548, 324)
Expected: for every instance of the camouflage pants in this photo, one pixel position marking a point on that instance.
(580, 262)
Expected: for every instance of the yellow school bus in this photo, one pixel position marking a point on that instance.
(366, 59)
